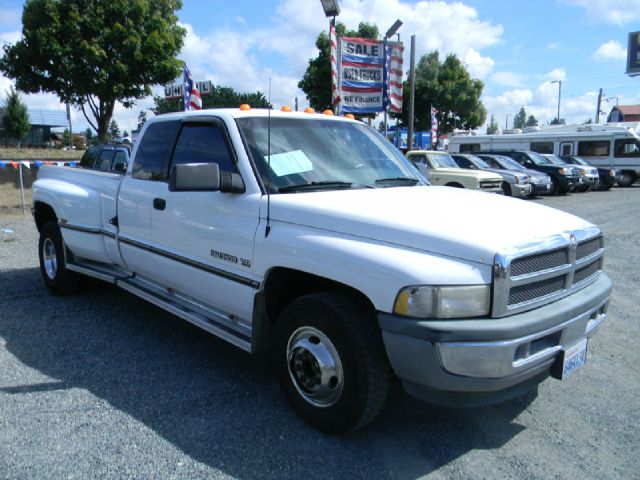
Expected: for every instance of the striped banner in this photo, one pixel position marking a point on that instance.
(361, 75)
(35, 163)
(393, 76)
(335, 92)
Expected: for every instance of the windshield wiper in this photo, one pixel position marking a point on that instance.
(398, 180)
(314, 185)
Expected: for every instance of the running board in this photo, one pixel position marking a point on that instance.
(212, 321)
(100, 271)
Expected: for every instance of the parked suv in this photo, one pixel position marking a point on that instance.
(608, 176)
(590, 177)
(564, 179)
(515, 184)
(107, 157)
(441, 169)
(540, 182)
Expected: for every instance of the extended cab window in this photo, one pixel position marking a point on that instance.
(628, 147)
(594, 148)
(104, 161)
(152, 159)
(469, 147)
(203, 143)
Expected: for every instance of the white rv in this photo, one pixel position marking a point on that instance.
(615, 145)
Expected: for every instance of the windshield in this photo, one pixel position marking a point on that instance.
(480, 163)
(555, 159)
(319, 154)
(539, 159)
(510, 164)
(442, 160)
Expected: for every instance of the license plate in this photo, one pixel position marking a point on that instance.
(573, 358)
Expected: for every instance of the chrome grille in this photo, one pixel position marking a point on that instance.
(586, 272)
(587, 248)
(532, 291)
(539, 262)
(490, 184)
(544, 271)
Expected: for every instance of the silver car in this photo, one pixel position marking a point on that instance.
(515, 183)
(540, 182)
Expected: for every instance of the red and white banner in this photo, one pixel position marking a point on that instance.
(394, 76)
(361, 75)
(335, 92)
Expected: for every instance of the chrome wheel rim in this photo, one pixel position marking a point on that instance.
(49, 258)
(315, 367)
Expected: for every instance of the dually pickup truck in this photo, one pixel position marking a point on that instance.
(311, 237)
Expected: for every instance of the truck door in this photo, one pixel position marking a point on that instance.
(205, 239)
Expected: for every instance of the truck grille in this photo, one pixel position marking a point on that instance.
(490, 184)
(546, 272)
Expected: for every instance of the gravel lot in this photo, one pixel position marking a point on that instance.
(104, 385)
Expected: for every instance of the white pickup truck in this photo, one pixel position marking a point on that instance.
(311, 236)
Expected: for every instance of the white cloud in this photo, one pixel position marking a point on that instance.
(616, 12)
(10, 37)
(508, 79)
(610, 50)
(555, 74)
(478, 65)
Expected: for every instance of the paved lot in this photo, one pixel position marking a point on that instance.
(104, 385)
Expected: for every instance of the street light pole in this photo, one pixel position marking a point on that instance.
(331, 10)
(559, 82)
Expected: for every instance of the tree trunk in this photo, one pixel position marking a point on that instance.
(106, 112)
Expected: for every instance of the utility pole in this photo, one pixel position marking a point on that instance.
(412, 80)
(598, 108)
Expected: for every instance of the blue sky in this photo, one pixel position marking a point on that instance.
(516, 47)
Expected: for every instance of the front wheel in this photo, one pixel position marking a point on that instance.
(331, 362)
(58, 279)
(626, 180)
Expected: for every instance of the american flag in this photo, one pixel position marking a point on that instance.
(192, 99)
(434, 127)
(393, 76)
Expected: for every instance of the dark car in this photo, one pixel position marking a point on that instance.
(608, 176)
(107, 157)
(564, 178)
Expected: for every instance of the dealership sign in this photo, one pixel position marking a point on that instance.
(177, 89)
(633, 54)
(361, 75)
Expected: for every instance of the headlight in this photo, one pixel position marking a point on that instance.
(443, 302)
(612, 173)
(517, 179)
(564, 171)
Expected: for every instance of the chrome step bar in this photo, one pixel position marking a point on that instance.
(203, 316)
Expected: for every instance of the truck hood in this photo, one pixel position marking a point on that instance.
(447, 221)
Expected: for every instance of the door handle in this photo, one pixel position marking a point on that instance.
(159, 203)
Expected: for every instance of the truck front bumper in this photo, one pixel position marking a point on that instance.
(487, 360)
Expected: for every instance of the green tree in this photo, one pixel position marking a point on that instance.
(16, 117)
(556, 122)
(92, 53)
(114, 130)
(316, 81)
(520, 120)
(492, 128)
(220, 97)
(531, 121)
(142, 119)
(66, 137)
(588, 121)
(449, 88)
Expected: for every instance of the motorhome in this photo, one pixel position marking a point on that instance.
(614, 145)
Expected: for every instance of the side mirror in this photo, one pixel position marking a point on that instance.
(195, 177)
(231, 183)
(120, 167)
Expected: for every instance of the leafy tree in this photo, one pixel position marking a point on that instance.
(66, 137)
(16, 117)
(556, 122)
(114, 129)
(493, 126)
(531, 121)
(316, 82)
(520, 120)
(142, 119)
(220, 97)
(125, 134)
(449, 88)
(92, 53)
(588, 121)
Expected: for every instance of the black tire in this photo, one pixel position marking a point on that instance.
(506, 188)
(555, 187)
(626, 180)
(58, 279)
(354, 387)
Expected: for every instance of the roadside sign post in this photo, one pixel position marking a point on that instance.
(21, 186)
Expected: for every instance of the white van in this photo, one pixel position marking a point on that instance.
(614, 145)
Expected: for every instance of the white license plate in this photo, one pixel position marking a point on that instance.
(573, 358)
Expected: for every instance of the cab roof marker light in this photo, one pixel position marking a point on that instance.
(328, 112)
(245, 107)
(286, 108)
(309, 110)
(350, 116)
